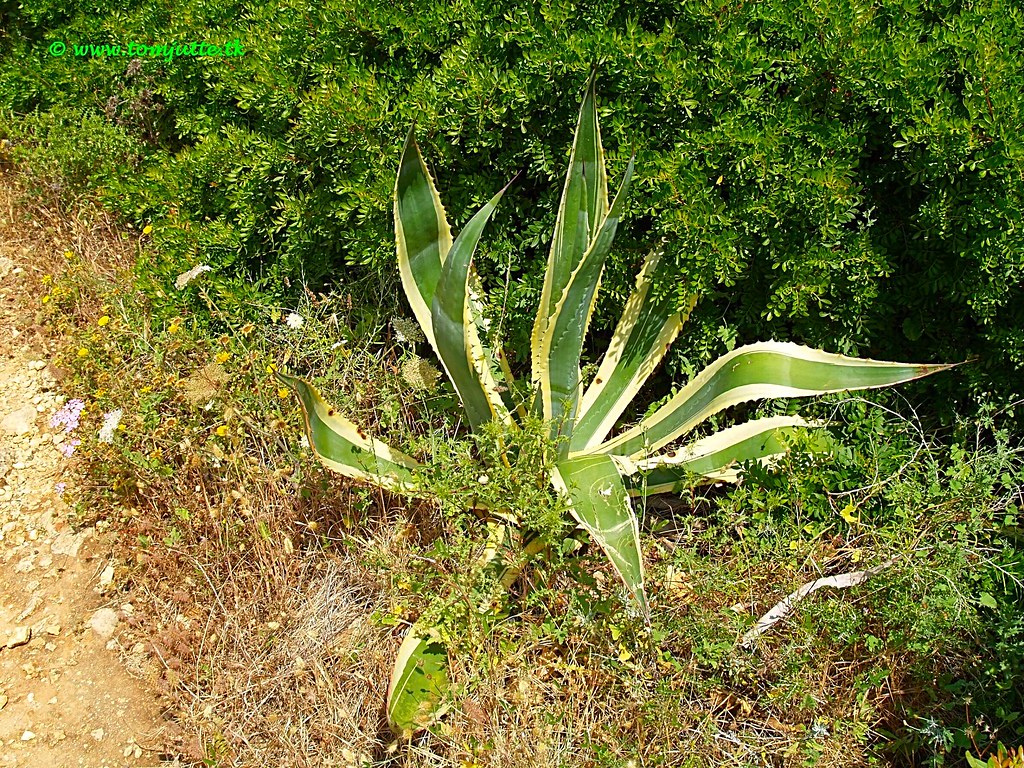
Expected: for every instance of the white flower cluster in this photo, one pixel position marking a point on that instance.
(111, 421)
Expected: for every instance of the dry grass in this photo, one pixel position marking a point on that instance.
(266, 591)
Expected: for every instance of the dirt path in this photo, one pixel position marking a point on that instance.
(68, 695)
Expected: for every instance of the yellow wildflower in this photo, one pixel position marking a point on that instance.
(222, 430)
(83, 352)
(283, 392)
(222, 357)
(174, 326)
(147, 229)
(46, 299)
(103, 321)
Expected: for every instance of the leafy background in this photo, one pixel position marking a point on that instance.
(847, 175)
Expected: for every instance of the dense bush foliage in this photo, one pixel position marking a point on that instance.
(851, 173)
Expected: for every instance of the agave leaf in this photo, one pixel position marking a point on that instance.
(716, 457)
(643, 335)
(581, 211)
(509, 396)
(600, 504)
(422, 234)
(754, 372)
(566, 327)
(419, 681)
(343, 447)
(465, 359)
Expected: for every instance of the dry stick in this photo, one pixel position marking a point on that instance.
(787, 606)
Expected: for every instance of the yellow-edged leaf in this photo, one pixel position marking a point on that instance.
(759, 371)
(343, 447)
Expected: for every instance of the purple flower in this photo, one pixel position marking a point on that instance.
(68, 416)
(60, 488)
(69, 448)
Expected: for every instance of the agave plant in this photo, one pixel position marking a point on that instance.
(595, 472)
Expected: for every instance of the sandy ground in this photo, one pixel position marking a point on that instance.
(70, 693)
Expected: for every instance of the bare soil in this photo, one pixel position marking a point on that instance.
(74, 690)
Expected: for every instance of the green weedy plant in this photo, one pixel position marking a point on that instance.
(594, 474)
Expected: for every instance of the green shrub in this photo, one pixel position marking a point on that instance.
(850, 173)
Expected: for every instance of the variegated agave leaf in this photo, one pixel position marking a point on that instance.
(581, 212)
(465, 359)
(759, 371)
(419, 679)
(422, 235)
(343, 447)
(438, 282)
(562, 342)
(645, 332)
(715, 458)
(600, 504)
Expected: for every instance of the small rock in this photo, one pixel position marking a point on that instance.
(107, 577)
(53, 629)
(103, 622)
(19, 636)
(98, 734)
(67, 543)
(27, 736)
(33, 602)
(20, 422)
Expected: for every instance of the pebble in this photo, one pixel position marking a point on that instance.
(19, 422)
(107, 577)
(27, 736)
(67, 543)
(19, 636)
(103, 622)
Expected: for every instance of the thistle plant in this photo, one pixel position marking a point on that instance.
(594, 473)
